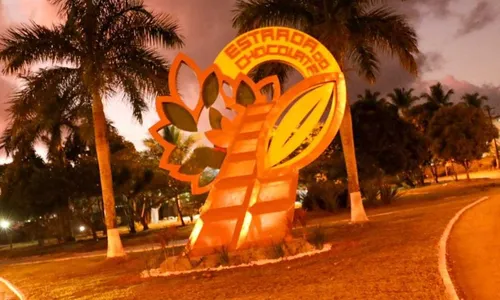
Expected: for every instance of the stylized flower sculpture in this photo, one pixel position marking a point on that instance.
(251, 200)
(174, 111)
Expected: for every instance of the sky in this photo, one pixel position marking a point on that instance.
(458, 40)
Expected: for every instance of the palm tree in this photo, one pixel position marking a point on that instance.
(107, 46)
(47, 112)
(474, 100)
(371, 97)
(403, 99)
(437, 96)
(354, 32)
(422, 114)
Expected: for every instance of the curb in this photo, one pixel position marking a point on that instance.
(451, 291)
(12, 288)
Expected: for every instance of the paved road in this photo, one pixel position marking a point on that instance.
(474, 252)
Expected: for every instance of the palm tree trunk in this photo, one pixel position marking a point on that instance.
(115, 248)
(358, 213)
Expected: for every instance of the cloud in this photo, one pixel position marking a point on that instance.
(416, 10)
(392, 75)
(483, 14)
(205, 26)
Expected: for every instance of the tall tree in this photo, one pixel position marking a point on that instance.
(107, 47)
(461, 133)
(386, 144)
(47, 112)
(422, 114)
(403, 99)
(474, 100)
(370, 97)
(438, 96)
(354, 32)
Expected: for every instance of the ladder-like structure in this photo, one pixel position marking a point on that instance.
(243, 209)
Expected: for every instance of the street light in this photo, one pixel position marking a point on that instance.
(4, 224)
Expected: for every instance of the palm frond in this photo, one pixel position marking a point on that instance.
(148, 70)
(133, 96)
(136, 25)
(268, 69)
(365, 58)
(48, 107)
(474, 100)
(391, 33)
(251, 14)
(30, 44)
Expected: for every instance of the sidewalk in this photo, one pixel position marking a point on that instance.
(474, 252)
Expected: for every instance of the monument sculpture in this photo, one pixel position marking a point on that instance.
(259, 138)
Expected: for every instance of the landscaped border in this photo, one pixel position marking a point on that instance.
(157, 273)
(451, 291)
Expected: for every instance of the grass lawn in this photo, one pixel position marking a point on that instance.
(392, 257)
(84, 246)
(410, 198)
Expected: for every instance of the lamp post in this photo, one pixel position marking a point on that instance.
(5, 225)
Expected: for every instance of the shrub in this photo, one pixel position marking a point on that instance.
(389, 194)
(317, 237)
(324, 195)
(223, 255)
(371, 192)
(152, 258)
(278, 250)
(164, 237)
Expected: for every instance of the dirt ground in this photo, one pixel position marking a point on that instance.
(474, 251)
(392, 257)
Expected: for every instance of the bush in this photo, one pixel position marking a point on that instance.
(165, 237)
(278, 250)
(317, 237)
(223, 254)
(370, 191)
(324, 195)
(389, 194)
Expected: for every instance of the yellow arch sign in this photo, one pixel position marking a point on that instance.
(251, 202)
(310, 58)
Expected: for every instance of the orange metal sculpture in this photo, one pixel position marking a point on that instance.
(251, 201)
